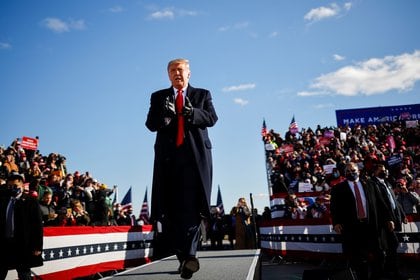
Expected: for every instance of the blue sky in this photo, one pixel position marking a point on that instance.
(79, 75)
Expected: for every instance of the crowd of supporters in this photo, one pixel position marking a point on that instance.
(316, 158)
(66, 199)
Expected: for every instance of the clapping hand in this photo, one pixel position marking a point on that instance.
(188, 109)
(170, 107)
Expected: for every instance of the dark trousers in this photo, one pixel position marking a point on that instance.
(11, 257)
(24, 273)
(361, 247)
(391, 263)
(184, 203)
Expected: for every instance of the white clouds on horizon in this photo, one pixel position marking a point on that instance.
(369, 77)
(5, 46)
(240, 101)
(320, 13)
(60, 26)
(239, 87)
(170, 13)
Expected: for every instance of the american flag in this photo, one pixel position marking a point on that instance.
(293, 127)
(144, 212)
(220, 202)
(126, 203)
(264, 129)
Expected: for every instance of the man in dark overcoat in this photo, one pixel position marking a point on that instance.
(21, 230)
(359, 216)
(182, 175)
(380, 181)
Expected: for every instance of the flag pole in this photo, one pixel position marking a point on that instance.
(268, 170)
(254, 222)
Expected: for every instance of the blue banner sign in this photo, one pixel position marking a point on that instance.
(377, 115)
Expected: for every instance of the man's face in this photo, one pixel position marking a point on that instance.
(179, 75)
(47, 198)
(15, 185)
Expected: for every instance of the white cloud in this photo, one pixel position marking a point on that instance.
(273, 34)
(5, 46)
(338, 57)
(236, 26)
(240, 101)
(348, 6)
(187, 13)
(312, 93)
(373, 76)
(324, 106)
(239, 87)
(59, 26)
(171, 13)
(116, 9)
(164, 14)
(320, 13)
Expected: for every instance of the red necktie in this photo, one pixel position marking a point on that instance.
(360, 210)
(179, 104)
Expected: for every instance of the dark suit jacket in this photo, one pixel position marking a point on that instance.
(343, 211)
(397, 215)
(28, 232)
(196, 137)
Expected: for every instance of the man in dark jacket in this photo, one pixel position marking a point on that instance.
(379, 179)
(359, 216)
(182, 176)
(21, 232)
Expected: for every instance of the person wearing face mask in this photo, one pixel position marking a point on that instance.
(379, 179)
(182, 174)
(21, 232)
(335, 178)
(359, 216)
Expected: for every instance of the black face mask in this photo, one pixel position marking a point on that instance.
(15, 191)
(352, 176)
(382, 174)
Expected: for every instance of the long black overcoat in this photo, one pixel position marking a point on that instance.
(196, 136)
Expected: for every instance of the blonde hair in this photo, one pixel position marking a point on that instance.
(179, 60)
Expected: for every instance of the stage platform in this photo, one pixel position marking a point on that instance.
(231, 264)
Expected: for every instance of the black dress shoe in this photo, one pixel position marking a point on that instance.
(186, 274)
(189, 266)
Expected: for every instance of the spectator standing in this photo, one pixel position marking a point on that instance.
(408, 199)
(90, 193)
(244, 235)
(49, 216)
(182, 176)
(291, 204)
(9, 164)
(216, 229)
(21, 233)
(317, 209)
(79, 213)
